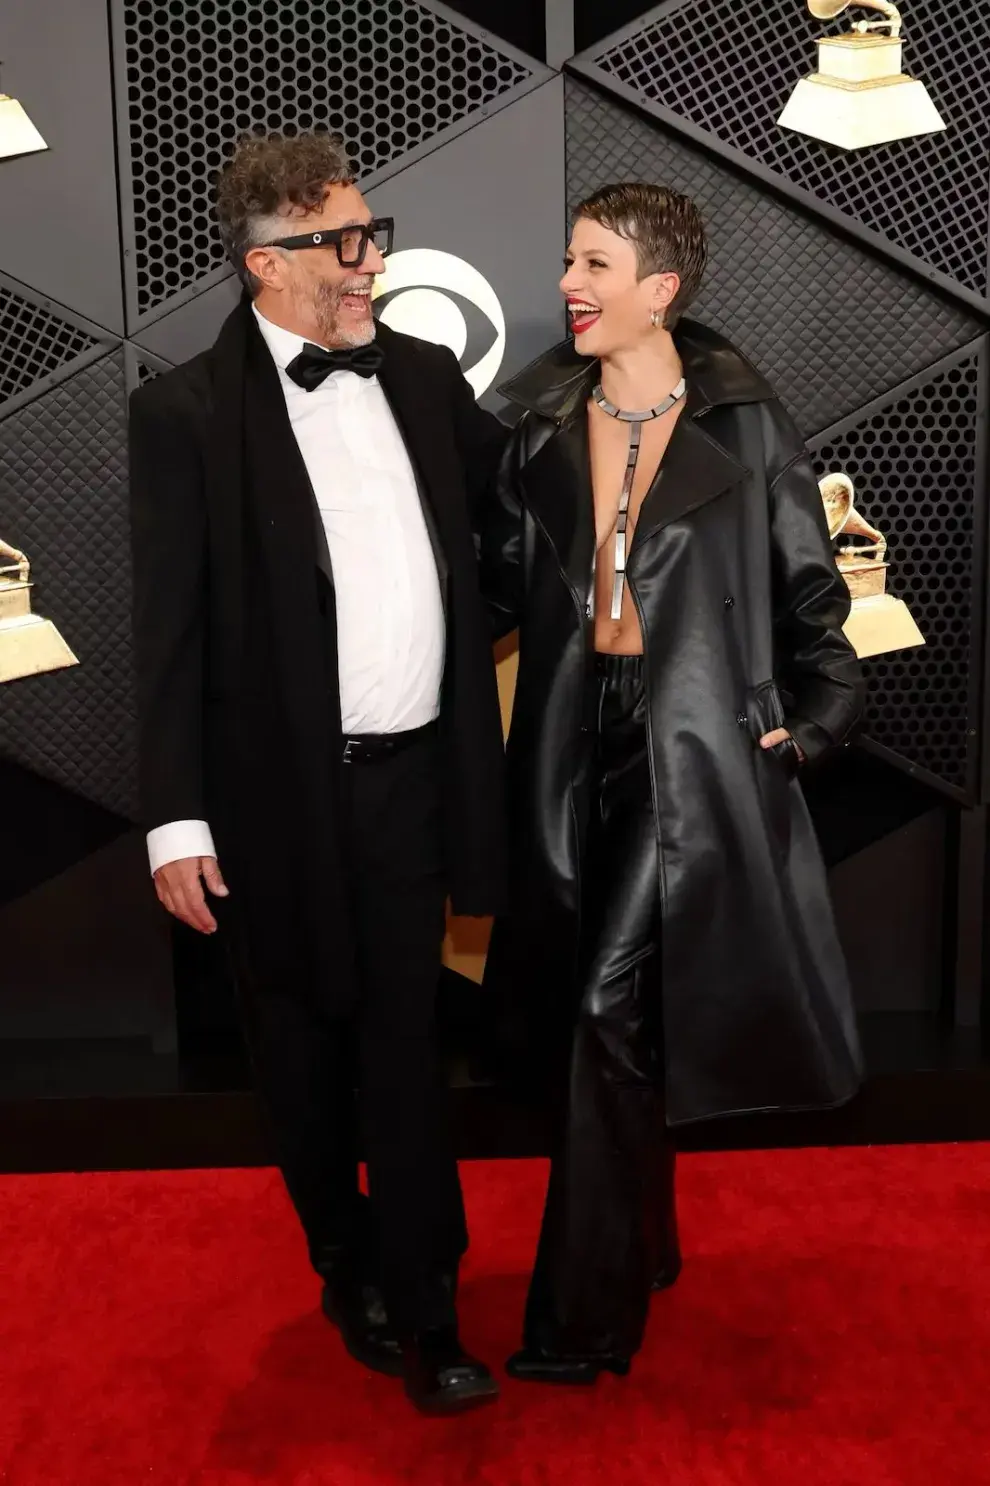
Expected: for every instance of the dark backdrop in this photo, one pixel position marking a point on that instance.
(857, 282)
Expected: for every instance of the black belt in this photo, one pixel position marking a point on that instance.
(370, 748)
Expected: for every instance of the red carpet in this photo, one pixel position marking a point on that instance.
(831, 1328)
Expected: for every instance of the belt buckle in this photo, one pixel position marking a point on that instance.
(346, 755)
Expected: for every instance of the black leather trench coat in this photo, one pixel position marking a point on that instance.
(741, 609)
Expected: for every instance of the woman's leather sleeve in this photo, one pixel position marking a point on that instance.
(501, 540)
(816, 665)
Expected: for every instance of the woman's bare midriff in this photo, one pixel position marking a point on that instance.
(608, 440)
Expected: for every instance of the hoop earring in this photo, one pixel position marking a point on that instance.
(656, 319)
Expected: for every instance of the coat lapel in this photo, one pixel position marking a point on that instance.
(414, 407)
(560, 498)
(283, 494)
(695, 469)
(292, 538)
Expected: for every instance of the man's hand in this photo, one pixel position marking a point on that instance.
(780, 735)
(179, 886)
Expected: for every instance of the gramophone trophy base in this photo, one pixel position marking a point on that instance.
(876, 625)
(859, 96)
(30, 645)
(18, 136)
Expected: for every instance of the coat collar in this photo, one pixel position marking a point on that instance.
(696, 467)
(558, 383)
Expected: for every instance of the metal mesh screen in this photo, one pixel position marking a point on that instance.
(915, 469)
(34, 343)
(829, 324)
(388, 75)
(63, 474)
(730, 69)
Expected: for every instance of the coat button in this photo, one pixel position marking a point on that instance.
(729, 601)
(742, 720)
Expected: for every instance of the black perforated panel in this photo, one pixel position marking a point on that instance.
(915, 469)
(730, 68)
(830, 325)
(63, 479)
(388, 75)
(33, 344)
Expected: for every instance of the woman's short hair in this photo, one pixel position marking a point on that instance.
(663, 226)
(266, 174)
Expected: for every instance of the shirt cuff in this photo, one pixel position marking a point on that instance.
(178, 839)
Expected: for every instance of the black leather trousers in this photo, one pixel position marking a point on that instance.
(610, 1226)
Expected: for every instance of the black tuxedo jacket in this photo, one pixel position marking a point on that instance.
(235, 640)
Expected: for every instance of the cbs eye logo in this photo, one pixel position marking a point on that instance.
(443, 299)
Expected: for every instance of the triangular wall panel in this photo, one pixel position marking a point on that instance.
(41, 345)
(391, 78)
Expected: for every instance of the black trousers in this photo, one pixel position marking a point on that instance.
(332, 1086)
(610, 1225)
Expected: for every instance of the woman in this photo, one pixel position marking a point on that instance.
(669, 954)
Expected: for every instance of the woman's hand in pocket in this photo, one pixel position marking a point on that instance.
(780, 735)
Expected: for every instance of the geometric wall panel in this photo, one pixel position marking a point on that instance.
(64, 484)
(60, 221)
(389, 75)
(140, 367)
(518, 153)
(917, 468)
(830, 324)
(181, 333)
(728, 68)
(33, 343)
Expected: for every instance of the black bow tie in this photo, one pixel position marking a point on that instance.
(313, 365)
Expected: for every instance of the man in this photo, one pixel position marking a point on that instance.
(320, 741)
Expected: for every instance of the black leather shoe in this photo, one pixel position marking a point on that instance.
(440, 1377)
(532, 1365)
(358, 1312)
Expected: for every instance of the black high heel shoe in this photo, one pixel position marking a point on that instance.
(532, 1365)
(668, 1273)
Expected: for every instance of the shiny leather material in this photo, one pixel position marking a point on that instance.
(610, 1225)
(440, 1377)
(741, 609)
(358, 1312)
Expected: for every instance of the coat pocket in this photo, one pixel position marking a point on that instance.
(766, 713)
(775, 767)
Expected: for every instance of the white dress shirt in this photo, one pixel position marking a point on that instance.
(390, 621)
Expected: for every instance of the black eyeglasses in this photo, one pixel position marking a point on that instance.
(351, 242)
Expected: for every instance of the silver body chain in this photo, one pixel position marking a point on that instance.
(635, 421)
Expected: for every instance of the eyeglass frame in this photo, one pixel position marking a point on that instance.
(332, 237)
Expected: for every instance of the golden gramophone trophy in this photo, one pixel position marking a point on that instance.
(859, 96)
(29, 644)
(877, 621)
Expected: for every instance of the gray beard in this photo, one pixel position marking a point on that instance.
(326, 312)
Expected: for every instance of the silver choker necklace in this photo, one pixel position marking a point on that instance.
(635, 420)
(647, 414)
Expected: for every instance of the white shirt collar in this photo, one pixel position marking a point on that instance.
(284, 345)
